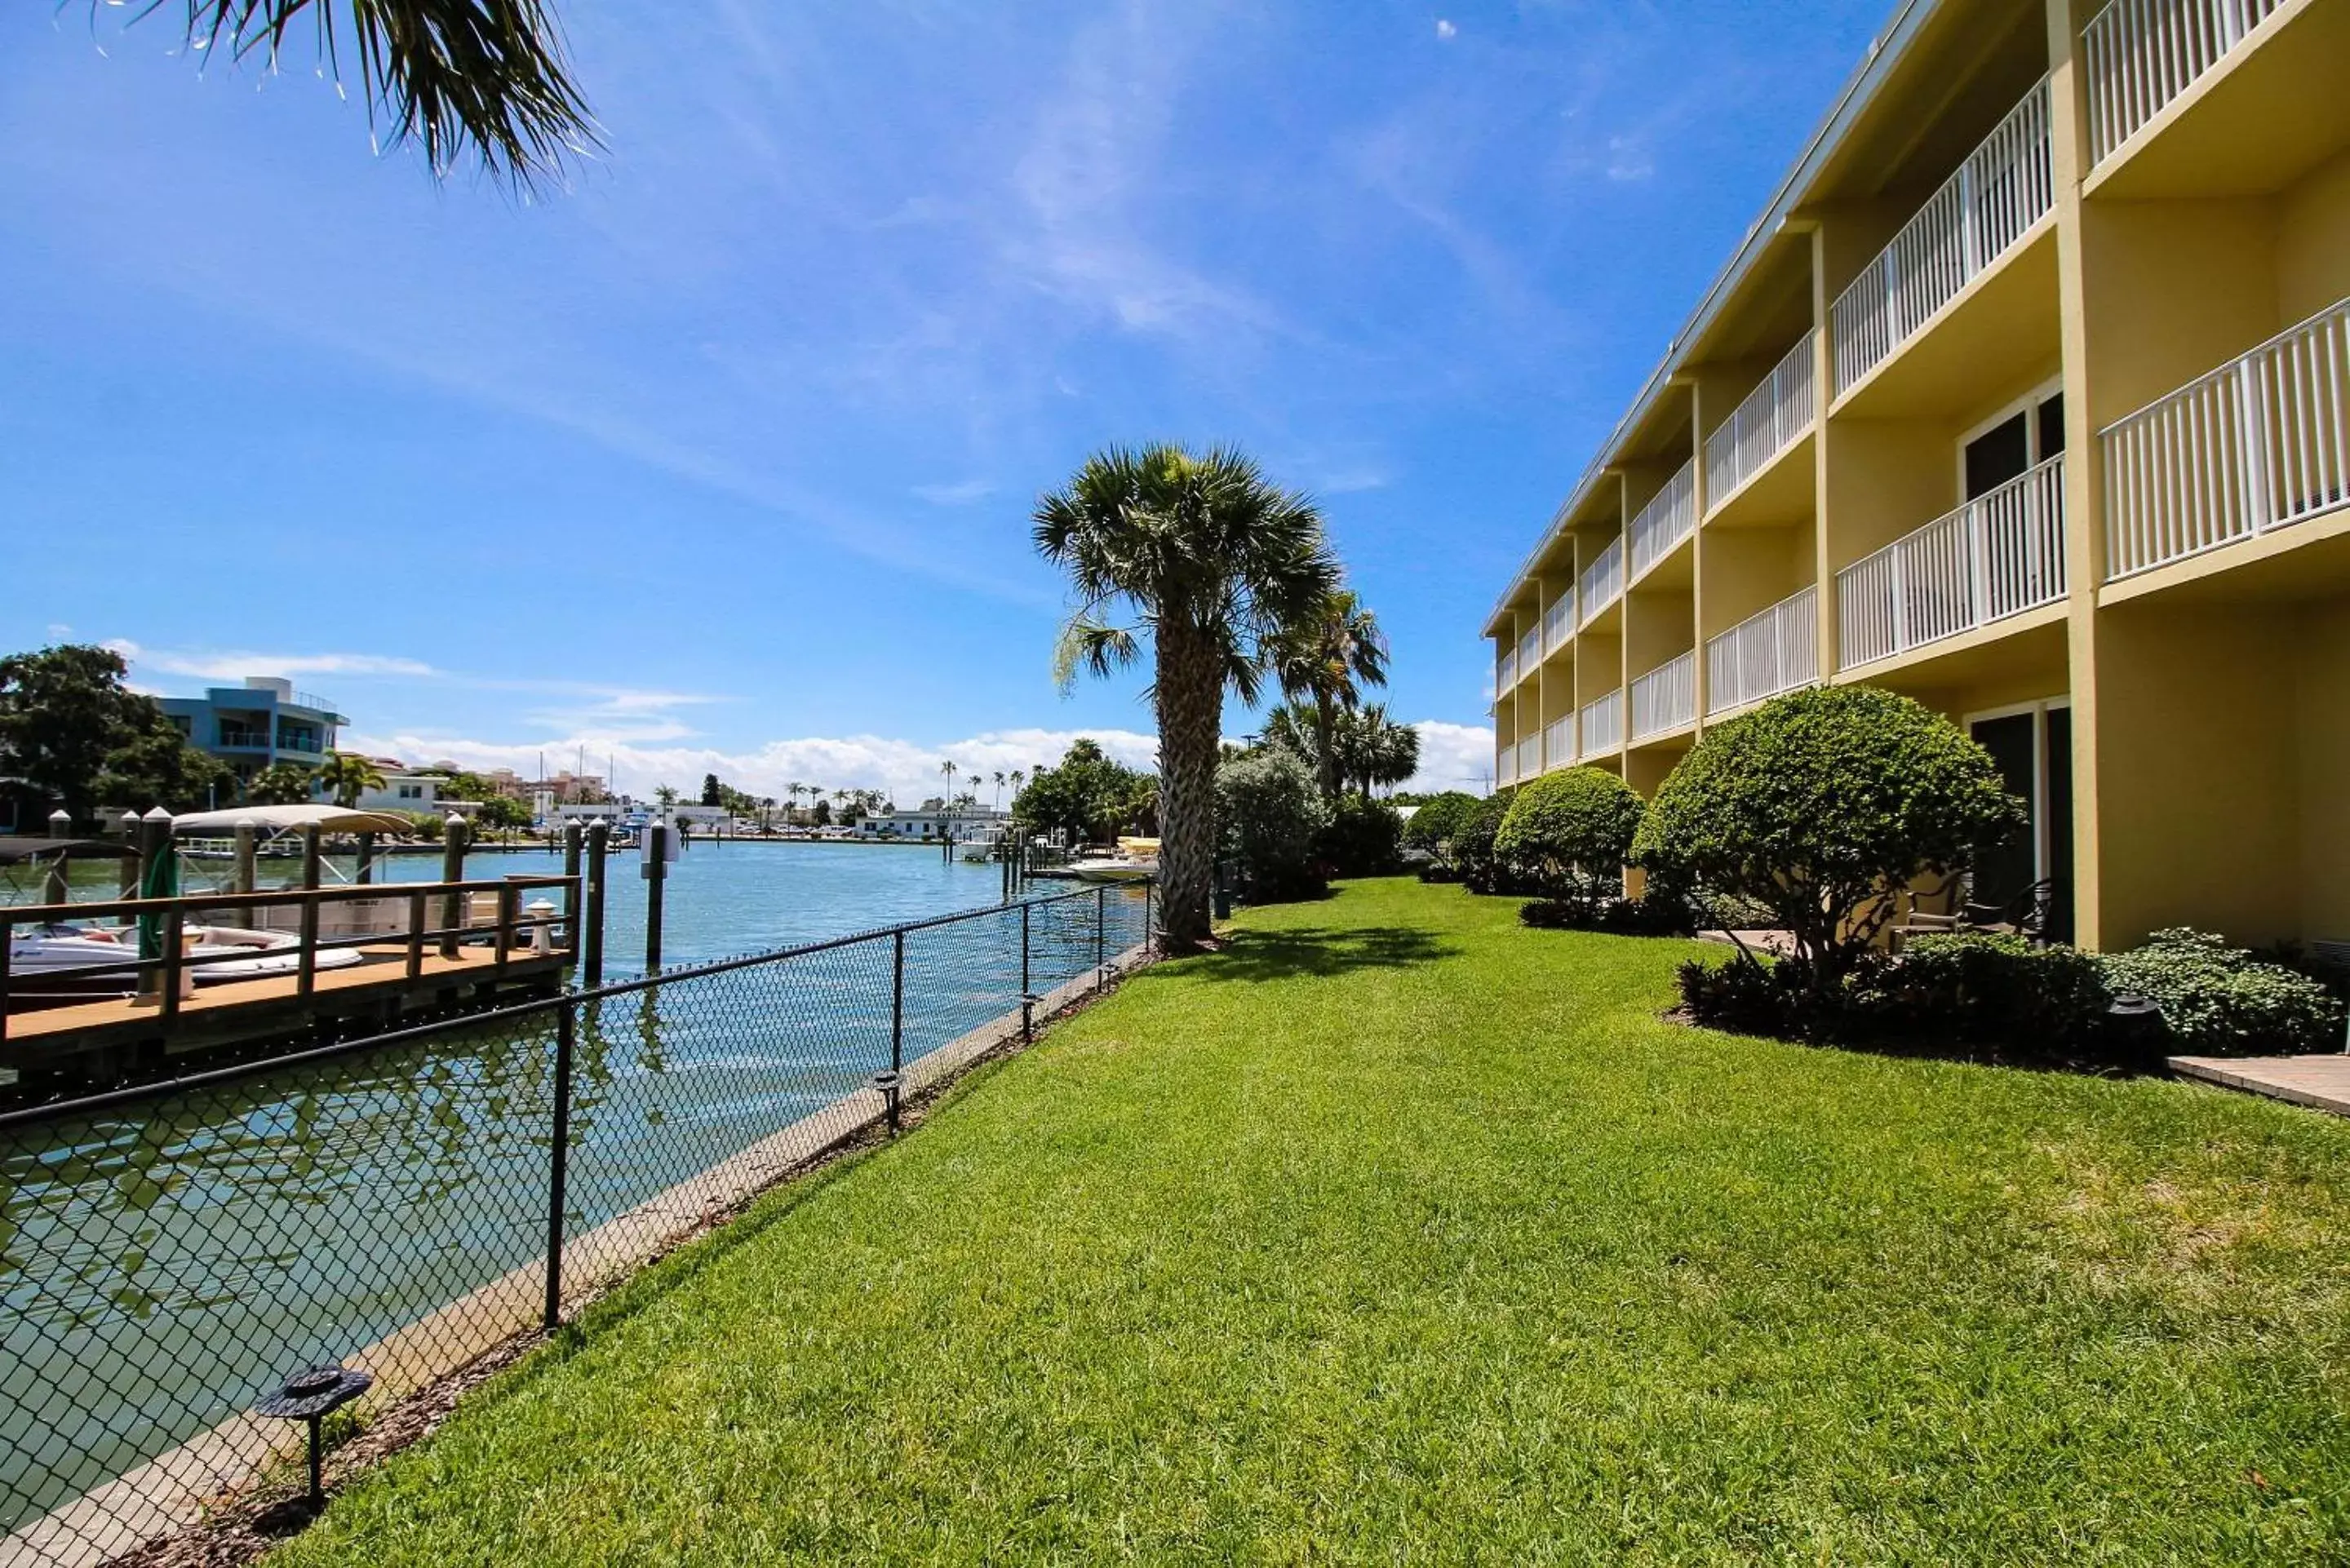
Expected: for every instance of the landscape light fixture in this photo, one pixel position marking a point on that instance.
(311, 1394)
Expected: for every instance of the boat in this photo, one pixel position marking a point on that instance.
(64, 961)
(1137, 860)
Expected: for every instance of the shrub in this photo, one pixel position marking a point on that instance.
(1815, 803)
(1569, 831)
(2219, 1000)
(1472, 845)
(1440, 816)
(1979, 987)
(1362, 839)
(1269, 810)
(1644, 917)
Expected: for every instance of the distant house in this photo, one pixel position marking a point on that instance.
(932, 821)
(263, 722)
(414, 792)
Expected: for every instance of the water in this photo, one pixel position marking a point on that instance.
(193, 1248)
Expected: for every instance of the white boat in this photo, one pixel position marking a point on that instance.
(98, 961)
(1137, 859)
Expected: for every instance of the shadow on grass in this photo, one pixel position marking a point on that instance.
(1256, 955)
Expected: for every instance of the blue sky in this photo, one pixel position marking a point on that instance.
(722, 457)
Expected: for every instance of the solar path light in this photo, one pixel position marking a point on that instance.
(310, 1395)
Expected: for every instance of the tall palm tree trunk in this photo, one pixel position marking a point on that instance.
(1189, 699)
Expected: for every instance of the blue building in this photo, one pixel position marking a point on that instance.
(264, 720)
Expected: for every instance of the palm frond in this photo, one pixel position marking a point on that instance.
(1093, 645)
(487, 78)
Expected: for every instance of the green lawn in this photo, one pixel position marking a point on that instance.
(1399, 1233)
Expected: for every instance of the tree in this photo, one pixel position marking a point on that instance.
(1323, 659)
(1270, 811)
(1088, 796)
(1817, 804)
(1436, 819)
(664, 795)
(999, 789)
(156, 766)
(347, 775)
(1373, 750)
(712, 790)
(457, 77)
(64, 713)
(1209, 560)
(282, 784)
(1571, 832)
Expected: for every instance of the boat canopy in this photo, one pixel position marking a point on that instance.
(291, 818)
(14, 851)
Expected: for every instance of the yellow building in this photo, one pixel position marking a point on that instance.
(2027, 396)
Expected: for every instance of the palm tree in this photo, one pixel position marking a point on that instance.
(282, 784)
(481, 77)
(347, 775)
(1211, 560)
(1325, 658)
(1374, 750)
(1019, 777)
(999, 789)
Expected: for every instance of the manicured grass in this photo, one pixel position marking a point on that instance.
(1399, 1232)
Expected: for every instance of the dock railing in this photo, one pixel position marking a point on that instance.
(156, 965)
(407, 1203)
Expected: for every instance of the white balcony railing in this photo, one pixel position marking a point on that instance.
(1505, 673)
(1998, 555)
(2142, 53)
(2261, 442)
(1602, 582)
(2000, 191)
(1505, 765)
(1558, 622)
(1763, 655)
(1558, 742)
(1665, 698)
(1665, 521)
(1530, 757)
(1530, 650)
(1769, 421)
(1603, 724)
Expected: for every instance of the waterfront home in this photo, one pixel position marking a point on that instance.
(2024, 396)
(934, 820)
(253, 725)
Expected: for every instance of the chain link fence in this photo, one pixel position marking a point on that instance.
(409, 1203)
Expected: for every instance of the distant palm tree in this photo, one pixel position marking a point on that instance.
(347, 775)
(1019, 777)
(282, 784)
(999, 789)
(1211, 560)
(483, 77)
(1374, 750)
(1324, 658)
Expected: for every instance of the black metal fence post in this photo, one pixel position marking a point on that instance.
(558, 1161)
(1028, 991)
(1101, 938)
(897, 1023)
(1150, 936)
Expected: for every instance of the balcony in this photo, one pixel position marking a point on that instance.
(1530, 757)
(1602, 582)
(1763, 655)
(1998, 555)
(1774, 415)
(1665, 699)
(1558, 742)
(2002, 189)
(1669, 517)
(1505, 673)
(1558, 623)
(1506, 765)
(2143, 55)
(1530, 652)
(1603, 724)
(2261, 442)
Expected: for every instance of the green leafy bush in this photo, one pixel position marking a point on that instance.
(2219, 1000)
(1269, 810)
(1438, 818)
(1568, 833)
(1982, 987)
(1815, 803)
(1472, 845)
(1643, 917)
(1362, 839)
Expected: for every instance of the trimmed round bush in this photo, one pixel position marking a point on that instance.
(1438, 818)
(1362, 839)
(1269, 809)
(1815, 804)
(1569, 831)
(1472, 842)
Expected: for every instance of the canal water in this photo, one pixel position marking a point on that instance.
(163, 1263)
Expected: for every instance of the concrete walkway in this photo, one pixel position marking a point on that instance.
(2320, 1081)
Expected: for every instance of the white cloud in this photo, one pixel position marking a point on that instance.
(237, 664)
(1628, 158)
(1446, 30)
(909, 771)
(1453, 756)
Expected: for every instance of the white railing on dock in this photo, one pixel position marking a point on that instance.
(1558, 742)
(1558, 621)
(1764, 425)
(1766, 654)
(1998, 193)
(1602, 582)
(1603, 724)
(2143, 54)
(1998, 555)
(1505, 673)
(2261, 442)
(1665, 698)
(1530, 651)
(1666, 520)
